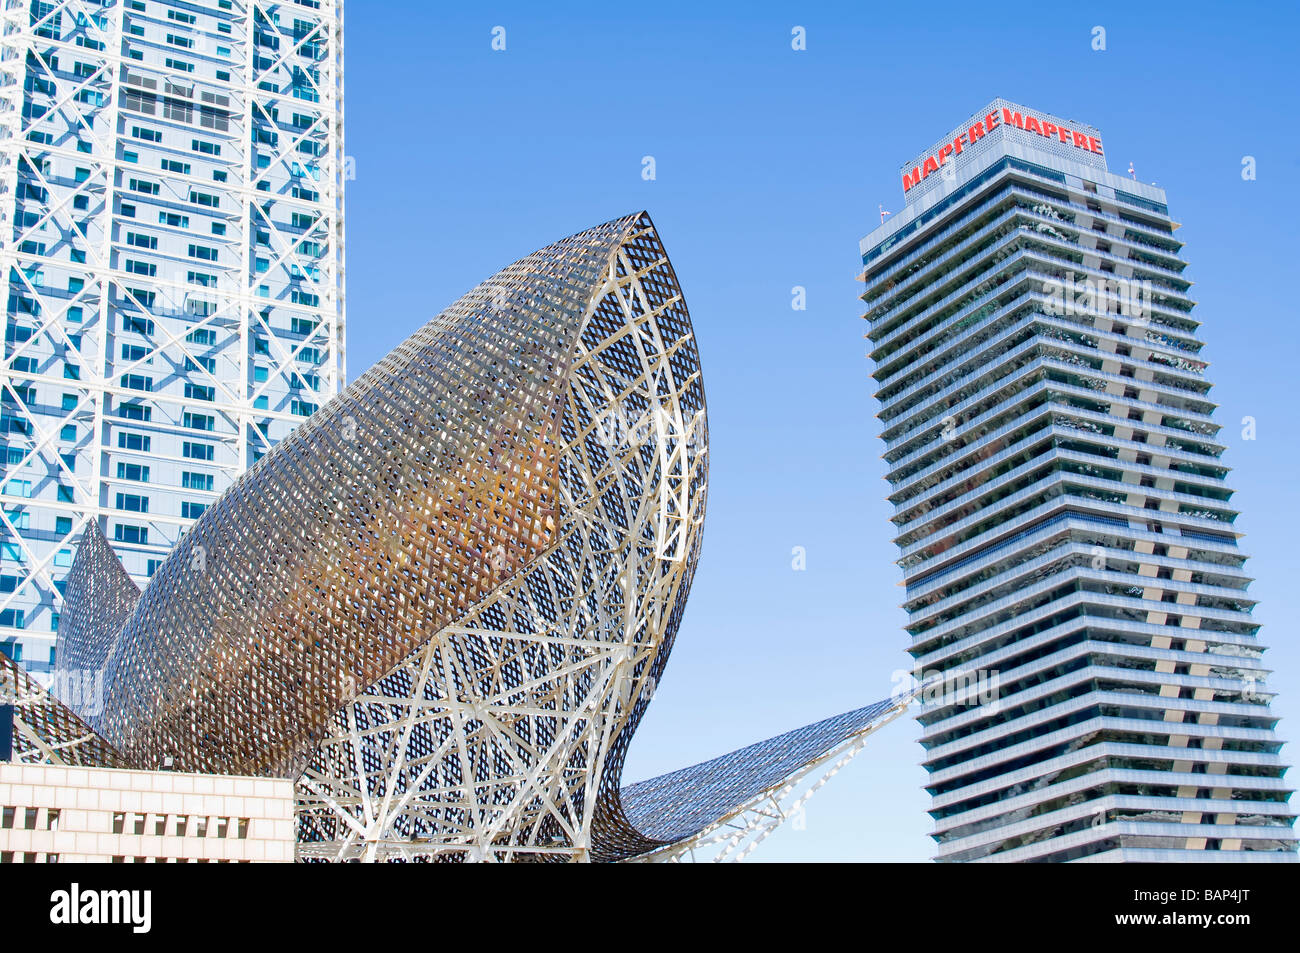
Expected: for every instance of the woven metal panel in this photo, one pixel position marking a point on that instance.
(677, 805)
(443, 605)
(362, 535)
(505, 736)
(45, 731)
(97, 599)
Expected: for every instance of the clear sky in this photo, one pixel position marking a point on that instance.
(770, 165)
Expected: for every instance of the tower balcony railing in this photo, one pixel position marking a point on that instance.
(983, 355)
(1078, 573)
(1197, 588)
(983, 301)
(932, 412)
(1030, 831)
(962, 721)
(930, 241)
(974, 653)
(921, 277)
(1081, 756)
(1078, 480)
(930, 643)
(923, 416)
(975, 656)
(1116, 515)
(986, 356)
(989, 736)
(1111, 776)
(1052, 455)
(1101, 420)
(1120, 509)
(902, 495)
(1120, 749)
(915, 278)
(959, 345)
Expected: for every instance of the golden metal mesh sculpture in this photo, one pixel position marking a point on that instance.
(503, 737)
(442, 604)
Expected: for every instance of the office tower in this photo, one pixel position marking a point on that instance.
(1076, 596)
(171, 215)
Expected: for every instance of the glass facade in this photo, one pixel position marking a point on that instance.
(171, 204)
(1077, 601)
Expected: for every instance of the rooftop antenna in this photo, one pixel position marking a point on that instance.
(883, 213)
(1132, 171)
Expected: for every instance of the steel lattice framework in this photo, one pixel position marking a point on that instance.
(46, 731)
(720, 810)
(443, 604)
(100, 596)
(500, 738)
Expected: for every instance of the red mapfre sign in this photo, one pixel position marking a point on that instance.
(1007, 117)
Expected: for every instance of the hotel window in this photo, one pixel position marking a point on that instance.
(132, 503)
(196, 481)
(133, 535)
(197, 451)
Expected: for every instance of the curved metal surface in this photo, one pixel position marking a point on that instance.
(97, 599)
(362, 535)
(685, 802)
(504, 737)
(443, 604)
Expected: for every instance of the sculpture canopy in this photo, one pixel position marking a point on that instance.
(442, 604)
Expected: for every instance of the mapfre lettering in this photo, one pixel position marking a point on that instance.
(1008, 117)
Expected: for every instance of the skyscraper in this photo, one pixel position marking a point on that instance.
(1074, 586)
(171, 246)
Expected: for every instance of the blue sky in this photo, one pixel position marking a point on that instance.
(770, 167)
